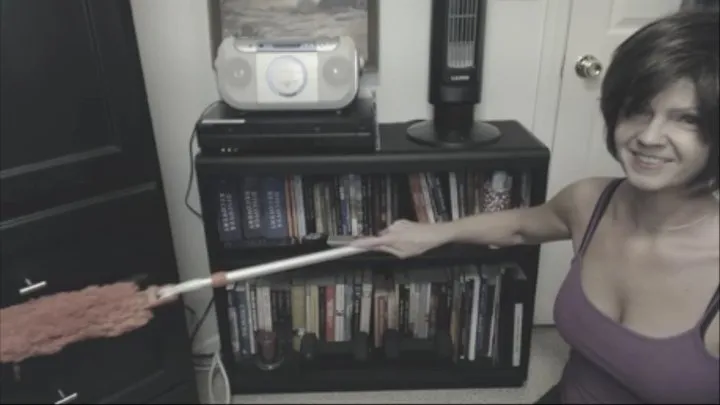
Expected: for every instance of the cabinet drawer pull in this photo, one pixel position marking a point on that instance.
(66, 399)
(31, 288)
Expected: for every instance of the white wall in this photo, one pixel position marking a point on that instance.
(175, 51)
(513, 46)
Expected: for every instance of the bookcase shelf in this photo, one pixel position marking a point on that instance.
(386, 377)
(457, 316)
(449, 254)
(396, 154)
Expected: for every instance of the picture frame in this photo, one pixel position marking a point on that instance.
(297, 18)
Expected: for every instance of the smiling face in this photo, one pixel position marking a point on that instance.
(659, 102)
(659, 146)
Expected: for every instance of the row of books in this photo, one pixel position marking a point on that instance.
(283, 209)
(474, 305)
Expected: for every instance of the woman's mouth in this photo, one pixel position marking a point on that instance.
(648, 162)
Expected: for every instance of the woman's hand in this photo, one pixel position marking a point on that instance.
(406, 238)
(153, 296)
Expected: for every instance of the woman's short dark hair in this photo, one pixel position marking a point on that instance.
(683, 45)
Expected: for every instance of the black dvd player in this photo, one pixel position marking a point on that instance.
(225, 130)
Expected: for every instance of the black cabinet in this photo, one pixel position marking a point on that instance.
(75, 121)
(82, 198)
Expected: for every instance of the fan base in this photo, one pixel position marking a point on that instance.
(478, 134)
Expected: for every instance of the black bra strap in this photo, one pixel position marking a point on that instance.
(712, 309)
(600, 207)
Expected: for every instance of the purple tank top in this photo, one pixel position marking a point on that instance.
(612, 364)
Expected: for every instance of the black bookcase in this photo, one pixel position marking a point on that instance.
(389, 351)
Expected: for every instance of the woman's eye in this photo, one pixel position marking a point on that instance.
(645, 112)
(642, 113)
(688, 119)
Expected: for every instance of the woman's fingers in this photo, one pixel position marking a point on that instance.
(380, 244)
(391, 250)
(153, 298)
(370, 242)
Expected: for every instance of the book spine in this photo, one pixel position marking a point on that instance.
(252, 210)
(357, 302)
(366, 303)
(339, 313)
(309, 313)
(330, 313)
(320, 207)
(233, 322)
(349, 306)
(229, 217)
(309, 203)
(290, 207)
(384, 198)
(472, 338)
(314, 309)
(337, 200)
(322, 308)
(242, 315)
(275, 308)
(299, 206)
(275, 221)
(430, 209)
(403, 295)
(417, 198)
(438, 195)
(344, 189)
(394, 186)
(454, 196)
(252, 321)
(366, 207)
(254, 316)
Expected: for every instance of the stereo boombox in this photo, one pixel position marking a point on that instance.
(287, 74)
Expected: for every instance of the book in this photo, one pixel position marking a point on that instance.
(480, 307)
(263, 210)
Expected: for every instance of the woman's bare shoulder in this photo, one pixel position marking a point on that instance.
(578, 199)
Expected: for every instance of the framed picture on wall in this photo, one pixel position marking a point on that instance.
(298, 18)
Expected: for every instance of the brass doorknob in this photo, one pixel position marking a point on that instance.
(588, 67)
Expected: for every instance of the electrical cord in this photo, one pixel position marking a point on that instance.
(200, 321)
(216, 364)
(192, 312)
(195, 212)
(214, 368)
(191, 177)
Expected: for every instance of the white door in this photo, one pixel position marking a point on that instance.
(578, 150)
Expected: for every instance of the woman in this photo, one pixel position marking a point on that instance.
(639, 306)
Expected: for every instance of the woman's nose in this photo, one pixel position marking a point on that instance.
(653, 134)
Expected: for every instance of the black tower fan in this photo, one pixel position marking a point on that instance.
(456, 54)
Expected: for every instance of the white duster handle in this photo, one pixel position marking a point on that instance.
(221, 279)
